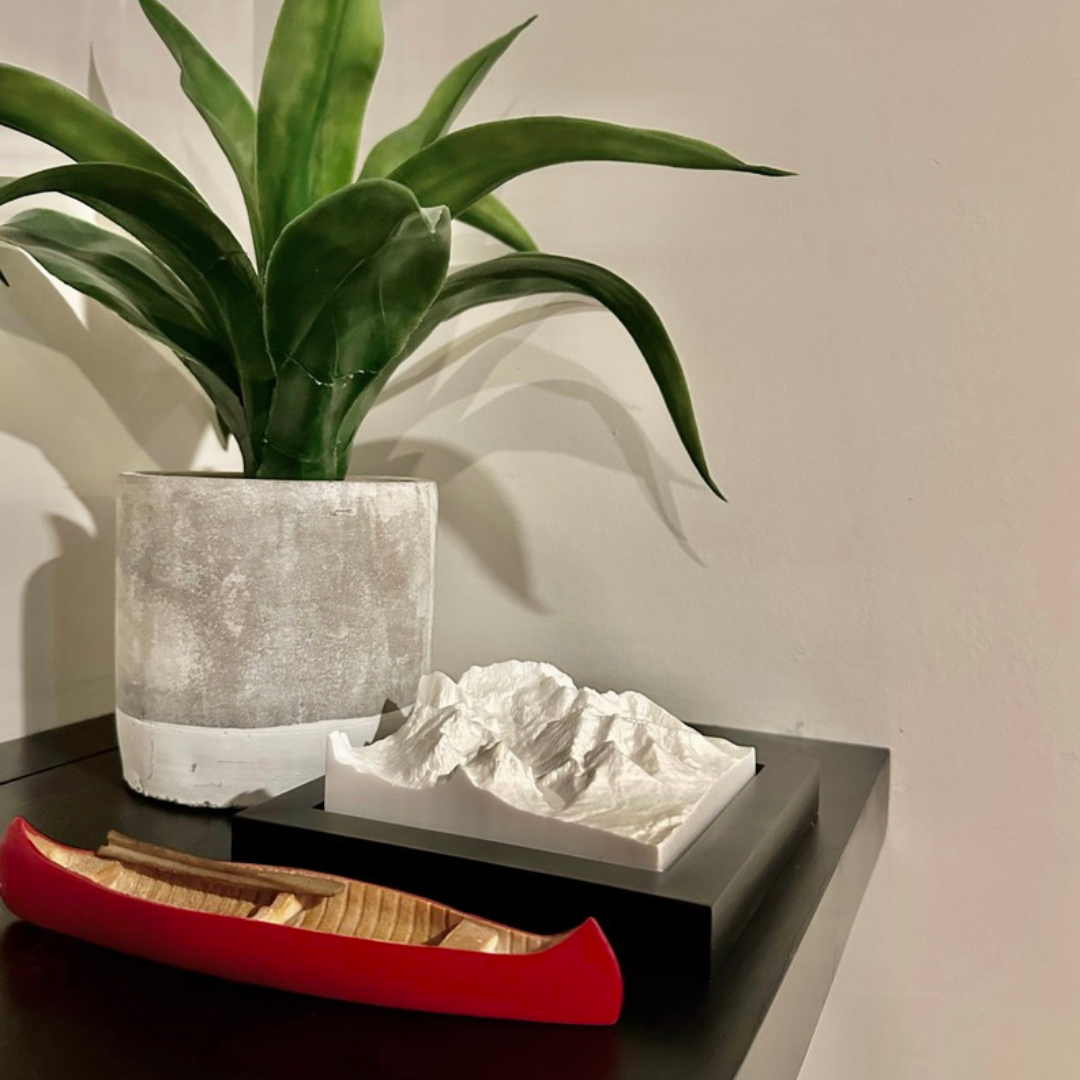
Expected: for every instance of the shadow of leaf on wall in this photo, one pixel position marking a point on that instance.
(452, 379)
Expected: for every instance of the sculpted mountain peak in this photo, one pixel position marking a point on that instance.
(522, 734)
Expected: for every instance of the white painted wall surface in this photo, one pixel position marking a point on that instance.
(85, 397)
(883, 354)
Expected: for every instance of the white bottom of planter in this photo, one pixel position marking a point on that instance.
(205, 766)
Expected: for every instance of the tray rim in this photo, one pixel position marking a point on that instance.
(298, 809)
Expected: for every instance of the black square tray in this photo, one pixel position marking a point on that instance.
(674, 925)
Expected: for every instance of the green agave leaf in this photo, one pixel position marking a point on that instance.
(514, 276)
(53, 114)
(183, 232)
(343, 252)
(346, 285)
(491, 216)
(229, 415)
(221, 427)
(462, 167)
(131, 282)
(220, 101)
(169, 219)
(442, 108)
(319, 72)
(121, 275)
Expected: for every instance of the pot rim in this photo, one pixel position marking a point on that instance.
(151, 474)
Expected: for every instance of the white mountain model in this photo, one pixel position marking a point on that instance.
(516, 752)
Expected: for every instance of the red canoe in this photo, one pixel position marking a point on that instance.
(310, 933)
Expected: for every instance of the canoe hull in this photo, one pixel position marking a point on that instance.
(575, 981)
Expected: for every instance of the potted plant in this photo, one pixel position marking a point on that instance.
(254, 611)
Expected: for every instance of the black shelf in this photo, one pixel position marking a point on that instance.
(70, 1009)
(669, 927)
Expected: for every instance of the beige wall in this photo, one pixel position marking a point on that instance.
(883, 355)
(83, 396)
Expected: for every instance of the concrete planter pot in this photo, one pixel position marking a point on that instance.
(254, 616)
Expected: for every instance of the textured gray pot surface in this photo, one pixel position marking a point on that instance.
(254, 615)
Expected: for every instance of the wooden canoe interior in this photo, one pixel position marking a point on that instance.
(358, 910)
